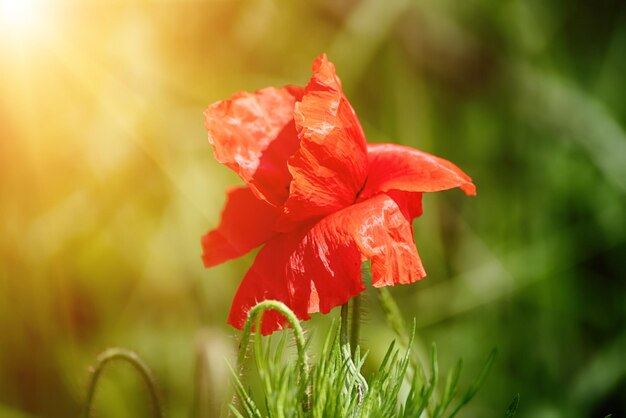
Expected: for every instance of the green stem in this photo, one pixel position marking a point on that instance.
(397, 323)
(345, 350)
(355, 323)
(394, 317)
(257, 311)
(395, 320)
(298, 333)
(135, 361)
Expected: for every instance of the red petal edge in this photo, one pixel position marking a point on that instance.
(399, 167)
(330, 167)
(266, 280)
(238, 231)
(319, 268)
(254, 135)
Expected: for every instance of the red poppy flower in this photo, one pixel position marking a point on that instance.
(318, 198)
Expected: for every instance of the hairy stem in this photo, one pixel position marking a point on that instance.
(355, 323)
(298, 333)
(392, 312)
(134, 360)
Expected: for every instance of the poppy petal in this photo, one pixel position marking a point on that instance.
(330, 254)
(319, 268)
(254, 135)
(330, 166)
(267, 280)
(409, 203)
(399, 263)
(238, 232)
(399, 167)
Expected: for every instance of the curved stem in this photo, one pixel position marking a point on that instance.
(345, 351)
(134, 360)
(298, 333)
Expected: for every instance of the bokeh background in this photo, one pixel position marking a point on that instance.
(107, 183)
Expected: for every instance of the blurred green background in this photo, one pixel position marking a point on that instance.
(107, 183)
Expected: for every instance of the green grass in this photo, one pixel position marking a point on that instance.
(332, 386)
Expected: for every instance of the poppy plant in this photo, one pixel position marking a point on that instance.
(317, 197)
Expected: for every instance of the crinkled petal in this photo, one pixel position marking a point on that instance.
(397, 261)
(246, 224)
(254, 135)
(319, 268)
(330, 166)
(330, 254)
(398, 167)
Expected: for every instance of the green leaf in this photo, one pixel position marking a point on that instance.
(476, 385)
(512, 409)
(247, 402)
(450, 390)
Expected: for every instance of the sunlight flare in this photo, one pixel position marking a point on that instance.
(22, 18)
